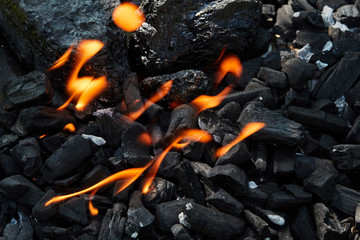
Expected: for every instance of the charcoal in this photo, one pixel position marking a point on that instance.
(321, 183)
(7, 140)
(7, 210)
(262, 227)
(334, 4)
(193, 151)
(225, 202)
(304, 166)
(273, 60)
(135, 154)
(268, 99)
(273, 78)
(132, 95)
(289, 197)
(309, 19)
(180, 232)
(299, 98)
(27, 154)
(74, 210)
(326, 142)
(260, 156)
(304, 220)
(319, 119)
(327, 224)
(277, 127)
(202, 170)
(113, 224)
(42, 212)
(167, 212)
(211, 223)
(55, 232)
(325, 105)
(187, 85)
(254, 84)
(189, 182)
(123, 195)
(345, 69)
(231, 178)
(346, 157)
(342, 46)
(255, 197)
(182, 117)
(31, 88)
(301, 5)
(315, 39)
(275, 220)
(42, 119)
(357, 217)
(242, 97)
(284, 161)
(139, 223)
(7, 119)
(21, 229)
(53, 142)
(348, 15)
(230, 111)
(66, 182)
(68, 157)
(199, 33)
(238, 155)
(311, 144)
(346, 200)
(298, 72)
(169, 163)
(284, 21)
(94, 176)
(21, 190)
(250, 69)
(159, 191)
(217, 126)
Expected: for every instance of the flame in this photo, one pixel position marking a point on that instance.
(145, 138)
(128, 17)
(42, 136)
(62, 60)
(204, 101)
(164, 89)
(85, 88)
(230, 63)
(69, 127)
(248, 130)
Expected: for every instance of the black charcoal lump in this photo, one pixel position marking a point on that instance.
(299, 72)
(346, 157)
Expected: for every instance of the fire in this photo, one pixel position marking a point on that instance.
(128, 17)
(69, 127)
(164, 89)
(145, 139)
(42, 136)
(62, 60)
(204, 101)
(230, 63)
(248, 130)
(85, 88)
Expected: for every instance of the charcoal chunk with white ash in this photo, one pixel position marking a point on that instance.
(316, 39)
(309, 20)
(225, 202)
(299, 72)
(303, 221)
(348, 15)
(276, 220)
(159, 191)
(273, 78)
(113, 223)
(74, 210)
(259, 156)
(139, 223)
(65, 159)
(261, 226)
(346, 157)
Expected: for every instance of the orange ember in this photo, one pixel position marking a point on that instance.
(230, 64)
(42, 136)
(69, 127)
(145, 139)
(62, 60)
(128, 17)
(248, 130)
(84, 89)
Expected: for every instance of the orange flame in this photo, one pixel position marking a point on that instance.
(69, 127)
(230, 63)
(164, 89)
(248, 130)
(204, 101)
(62, 60)
(42, 136)
(85, 88)
(128, 17)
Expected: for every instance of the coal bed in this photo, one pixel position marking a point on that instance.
(199, 119)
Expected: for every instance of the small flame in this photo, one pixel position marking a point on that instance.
(164, 89)
(69, 127)
(204, 101)
(230, 63)
(128, 17)
(42, 136)
(248, 130)
(62, 60)
(145, 138)
(85, 89)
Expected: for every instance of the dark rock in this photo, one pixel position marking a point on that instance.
(321, 183)
(225, 202)
(199, 33)
(262, 227)
(21, 190)
(304, 220)
(159, 191)
(31, 88)
(167, 167)
(27, 154)
(7, 140)
(299, 72)
(316, 40)
(273, 78)
(231, 178)
(284, 161)
(113, 224)
(238, 155)
(135, 154)
(346, 157)
(230, 111)
(94, 176)
(289, 197)
(187, 85)
(211, 223)
(71, 154)
(53, 142)
(74, 210)
(42, 212)
(346, 200)
(21, 229)
(180, 232)
(182, 117)
(139, 223)
(277, 127)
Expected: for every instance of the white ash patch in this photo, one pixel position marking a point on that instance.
(327, 16)
(341, 26)
(105, 111)
(296, 14)
(95, 139)
(252, 185)
(278, 220)
(188, 206)
(321, 65)
(305, 53)
(328, 46)
(134, 235)
(183, 220)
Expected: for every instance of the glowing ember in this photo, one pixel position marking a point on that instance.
(62, 60)
(248, 130)
(42, 136)
(69, 127)
(145, 139)
(128, 17)
(164, 89)
(230, 64)
(85, 88)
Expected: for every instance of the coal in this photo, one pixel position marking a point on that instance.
(250, 69)
(299, 72)
(159, 191)
(277, 127)
(182, 117)
(357, 217)
(254, 84)
(95, 175)
(262, 227)
(180, 232)
(289, 197)
(346, 199)
(31, 88)
(346, 157)
(304, 220)
(342, 46)
(308, 19)
(21, 190)
(21, 229)
(7, 210)
(7, 119)
(225, 203)
(8, 166)
(321, 183)
(7, 140)
(283, 24)
(113, 223)
(348, 15)
(27, 154)
(230, 177)
(42, 212)
(74, 210)
(132, 95)
(273, 78)
(284, 161)
(243, 97)
(139, 223)
(276, 220)
(260, 156)
(238, 155)
(199, 33)
(167, 167)
(316, 40)
(230, 111)
(65, 159)
(211, 223)
(53, 142)
(330, 3)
